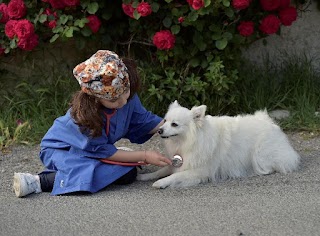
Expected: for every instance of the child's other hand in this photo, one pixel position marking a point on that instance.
(155, 158)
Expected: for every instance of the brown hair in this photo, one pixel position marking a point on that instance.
(86, 110)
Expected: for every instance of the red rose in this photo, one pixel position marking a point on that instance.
(181, 19)
(164, 39)
(52, 21)
(270, 5)
(57, 4)
(28, 43)
(240, 4)
(270, 24)
(288, 15)
(3, 10)
(128, 9)
(24, 29)
(16, 9)
(246, 28)
(49, 12)
(196, 4)
(52, 24)
(71, 3)
(284, 4)
(9, 28)
(94, 23)
(144, 9)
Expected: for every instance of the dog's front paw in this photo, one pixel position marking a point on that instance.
(146, 177)
(161, 183)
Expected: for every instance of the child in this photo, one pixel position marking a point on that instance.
(105, 110)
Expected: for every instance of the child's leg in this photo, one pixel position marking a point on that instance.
(47, 181)
(128, 178)
(25, 183)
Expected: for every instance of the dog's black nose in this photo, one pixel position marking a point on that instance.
(160, 131)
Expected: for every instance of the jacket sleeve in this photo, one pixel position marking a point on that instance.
(142, 122)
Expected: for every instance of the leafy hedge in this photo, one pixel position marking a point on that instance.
(193, 46)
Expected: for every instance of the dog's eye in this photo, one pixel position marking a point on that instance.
(174, 124)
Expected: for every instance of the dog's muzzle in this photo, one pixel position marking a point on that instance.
(160, 131)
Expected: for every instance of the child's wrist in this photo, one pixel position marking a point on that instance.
(145, 157)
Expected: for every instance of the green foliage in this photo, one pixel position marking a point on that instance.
(202, 65)
(202, 29)
(293, 85)
(28, 110)
(12, 135)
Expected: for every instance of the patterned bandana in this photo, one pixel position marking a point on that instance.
(103, 75)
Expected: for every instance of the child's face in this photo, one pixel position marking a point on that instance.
(118, 103)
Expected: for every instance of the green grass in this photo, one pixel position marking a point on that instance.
(28, 107)
(293, 85)
(36, 105)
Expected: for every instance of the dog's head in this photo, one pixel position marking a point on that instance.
(179, 120)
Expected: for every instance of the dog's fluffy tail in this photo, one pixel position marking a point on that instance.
(263, 115)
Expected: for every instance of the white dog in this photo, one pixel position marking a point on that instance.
(218, 148)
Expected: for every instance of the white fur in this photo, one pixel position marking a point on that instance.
(218, 148)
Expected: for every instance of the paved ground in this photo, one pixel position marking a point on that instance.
(270, 205)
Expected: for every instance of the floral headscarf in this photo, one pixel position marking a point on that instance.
(103, 75)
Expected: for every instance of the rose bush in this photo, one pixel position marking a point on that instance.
(184, 18)
(190, 37)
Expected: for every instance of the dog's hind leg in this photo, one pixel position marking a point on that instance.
(163, 172)
(182, 179)
(276, 156)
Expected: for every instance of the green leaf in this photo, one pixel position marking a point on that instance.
(50, 17)
(168, 1)
(216, 36)
(207, 3)
(41, 11)
(221, 44)
(155, 7)
(58, 29)
(81, 22)
(226, 3)
(86, 32)
(135, 4)
(42, 18)
(227, 35)
(175, 12)
(193, 16)
(92, 8)
(194, 62)
(68, 32)
(63, 19)
(54, 38)
(13, 44)
(167, 21)
(175, 29)
(229, 12)
(136, 15)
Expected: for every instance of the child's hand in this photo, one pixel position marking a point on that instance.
(155, 158)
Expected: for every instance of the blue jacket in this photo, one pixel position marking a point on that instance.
(75, 156)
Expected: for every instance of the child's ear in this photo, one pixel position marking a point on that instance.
(198, 113)
(175, 104)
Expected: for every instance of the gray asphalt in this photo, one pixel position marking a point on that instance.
(267, 205)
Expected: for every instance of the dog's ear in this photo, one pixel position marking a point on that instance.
(175, 104)
(198, 112)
